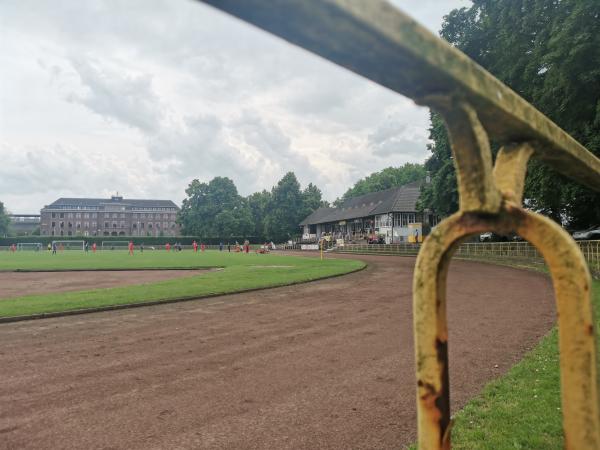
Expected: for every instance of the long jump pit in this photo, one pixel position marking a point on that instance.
(322, 365)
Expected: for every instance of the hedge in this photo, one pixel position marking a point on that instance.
(146, 240)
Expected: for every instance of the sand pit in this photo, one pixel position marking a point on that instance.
(17, 284)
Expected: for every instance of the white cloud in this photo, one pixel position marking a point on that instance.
(142, 96)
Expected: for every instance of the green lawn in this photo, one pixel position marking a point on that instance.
(520, 410)
(240, 272)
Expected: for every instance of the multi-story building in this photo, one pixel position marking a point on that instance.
(115, 216)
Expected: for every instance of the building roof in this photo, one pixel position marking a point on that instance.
(399, 199)
(79, 202)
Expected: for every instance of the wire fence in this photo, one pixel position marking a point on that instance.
(520, 253)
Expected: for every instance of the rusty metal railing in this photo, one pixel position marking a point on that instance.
(375, 40)
(521, 253)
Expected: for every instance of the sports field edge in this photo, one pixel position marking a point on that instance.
(73, 312)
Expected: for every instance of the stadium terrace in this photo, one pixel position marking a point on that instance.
(390, 215)
(115, 216)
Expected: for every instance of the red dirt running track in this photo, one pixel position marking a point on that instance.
(327, 364)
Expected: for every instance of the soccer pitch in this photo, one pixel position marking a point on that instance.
(240, 272)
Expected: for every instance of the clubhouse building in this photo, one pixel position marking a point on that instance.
(115, 216)
(390, 215)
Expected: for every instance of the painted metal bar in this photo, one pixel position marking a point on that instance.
(577, 334)
(374, 39)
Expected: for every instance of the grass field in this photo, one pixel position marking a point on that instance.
(240, 272)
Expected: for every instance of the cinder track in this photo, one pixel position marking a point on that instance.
(327, 364)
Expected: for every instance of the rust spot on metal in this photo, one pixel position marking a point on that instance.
(442, 402)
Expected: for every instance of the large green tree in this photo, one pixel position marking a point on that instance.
(215, 209)
(285, 210)
(548, 51)
(385, 179)
(258, 204)
(4, 220)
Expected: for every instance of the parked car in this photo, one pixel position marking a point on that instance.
(486, 237)
(589, 234)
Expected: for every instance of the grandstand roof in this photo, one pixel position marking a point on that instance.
(95, 202)
(399, 199)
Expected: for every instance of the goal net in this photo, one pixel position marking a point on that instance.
(31, 246)
(69, 245)
(115, 245)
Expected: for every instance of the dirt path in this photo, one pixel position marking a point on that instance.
(16, 284)
(324, 365)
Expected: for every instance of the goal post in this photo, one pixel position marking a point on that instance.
(114, 245)
(31, 246)
(69, 245)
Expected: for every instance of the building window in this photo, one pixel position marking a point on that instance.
(62, 215)
(53, 224)
(142, 225)
(53, 215)
(134, 226)
(78, 216)
(78, 225)
(114, 224)
(105, 224)
(62, 224)
(149, 226)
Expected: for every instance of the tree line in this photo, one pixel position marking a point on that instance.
(216, 209)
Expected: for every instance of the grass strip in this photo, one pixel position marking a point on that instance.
(240, 273)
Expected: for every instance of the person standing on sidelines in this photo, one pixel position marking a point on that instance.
(131, 247)
(93, 247)
(195, 245)
(13, 248)
(142, 247)
(168, 247)
(86, 246)
(221, 246)
(54, 248)
(202, 247)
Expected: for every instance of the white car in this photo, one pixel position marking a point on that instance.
(586, 235)
(486, 237)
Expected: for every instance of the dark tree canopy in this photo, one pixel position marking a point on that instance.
(215, 209)
(4, 220)
(549, 52)
(385, 179)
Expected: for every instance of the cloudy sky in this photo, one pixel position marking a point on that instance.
(142, 96)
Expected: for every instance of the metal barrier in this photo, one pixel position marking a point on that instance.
(522, 253)
(373, 39)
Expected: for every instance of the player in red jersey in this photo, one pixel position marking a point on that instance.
(195, 245)
(168, 247)
(94, 247)
(203, 246)
(131, 247)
